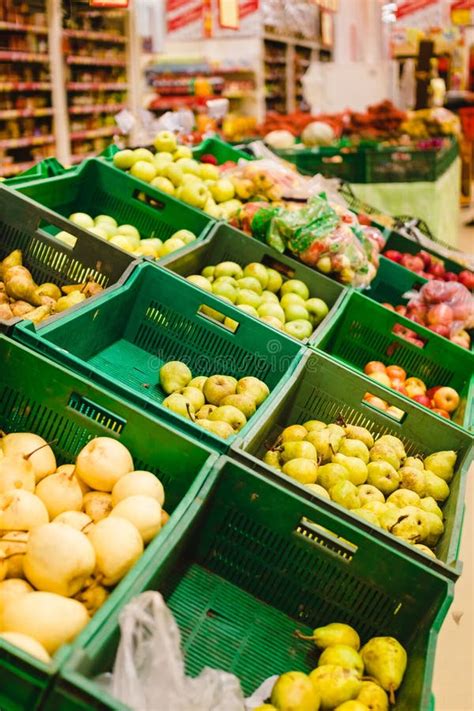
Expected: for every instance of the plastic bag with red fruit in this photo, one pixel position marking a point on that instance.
(446, 307)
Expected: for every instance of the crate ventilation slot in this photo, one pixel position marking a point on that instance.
(324, 538)
(98, 414)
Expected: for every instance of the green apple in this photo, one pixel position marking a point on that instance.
(182, 152)
(170, 245)
(188, 165)
(194, 194)
(275, 280)
(143, 170)
(257, 271)
(274, 310)
(225, 280)
(246, 296)
(317, 309)
(109, 229)
(174, 173)
(288, 299)
(222, 190)
(143, 154)
(192, 178)
(324, 265)
(129, 231)
(229, 208)
(208, 272)
(223, 289)
(248, 309)
(249, 283)
(163, 157)
(149, 247)
(124, 159)
(296, 311)
(211, 208)
(230, 269)
(299, 328)
(272, 321)
(186, 235)
(101, 219)
(163, 184)
(98, 232)
(124, 242)
(66, 238)
(295, 286)
(165, 141)
(199, 281)
(269, 297)
(207, 171)
(82, 219)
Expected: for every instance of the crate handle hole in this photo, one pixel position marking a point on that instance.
(51, 231)
(332, 159)
(217, 317)
(97, 413)
(150, 200)
(322, 537)
(273, 263)
(374, 402)
(409, 335)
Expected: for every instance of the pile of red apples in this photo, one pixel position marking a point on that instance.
(429, 267)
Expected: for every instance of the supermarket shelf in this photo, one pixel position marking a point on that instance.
(25, 113)
(293, 41)
(26, 86)
(9, 56)
(14, 27)
(94, 133)
(15, 168)
(27, 141)
(165, 102)
(98, 36)
(98, 109)
(96, 86)
(96, 61)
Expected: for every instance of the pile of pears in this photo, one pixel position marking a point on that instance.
(68, 534)
(21, 297)
(347, 678)
(127, 237)
(261, 292)
(220, 404)
(375, 479)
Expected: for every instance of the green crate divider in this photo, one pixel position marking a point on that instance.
(39, 396)
(321, 388)
(363, 332)
(258, 563)
(125, 336)
(44, 169)
(22, 226)
(392, 281)
(397, 164)
(227, 243)
(98, 188)
(220, 149)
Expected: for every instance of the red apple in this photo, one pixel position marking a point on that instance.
(388, 306)
(443, 413)
(423, 400)
(394, 372)
(463, 311)
(446, 398)
(467, 279)
(364, 219)
(395, 412)
(394, 255)
(415, 386)
(440, 329)
(375, 401)
(399, 385)
(460, 341)
(401, 309)
(427, 275)
(417, 308)
(374, 366)
(426, 257)
(208, 158)
(440, 314)
(434, 292)
(436, 269)
(418, 342)
(415, 264)
(450, 276)
(430, 393)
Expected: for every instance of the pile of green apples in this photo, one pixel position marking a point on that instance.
(262, 293)
(173, 170)
(126, 237)
(220, 404)
(347, 677)
(374, 479)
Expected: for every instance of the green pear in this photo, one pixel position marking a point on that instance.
(318, 490)
(217, 387)
(272, 458)
(414, 462)
(395, 443)
(174, 376)
(345, 494)
(194, 396)
(244, 403)
(297, 450)
(198, 382)
(204, 411)
(367, 493)
(389, 517)
(356, 468)
(330, 474)
(303, 470)
(436, 487)
(219, 428)
(436, 529)
(352, 705)
(342, 655)
(412, 525)
(266, 707)
(413, 478)
(366, 515)
(383, 476)
(429, 504)
(321, 439)
(293, 433)
(385, 453)
(361, 433)
(179, 404)
(385, 659)
(441, 464)
(373, 696)
(230, 414)
(337, 436)
(376, 507)
(65, 302)
(354, 448)
(294, 691)
(314, 425)
(334, 633)
(424, 549)
(337, 430)
(335, 685)
(404, 497)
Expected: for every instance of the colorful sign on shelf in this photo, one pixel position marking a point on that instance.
(410, 7)
(462, 13)
(105, 4)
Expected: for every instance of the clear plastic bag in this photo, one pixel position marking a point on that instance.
(446, 305)
(149, 665)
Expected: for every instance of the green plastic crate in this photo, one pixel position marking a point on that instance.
(321, 388)
(44, 169)
(38, 396)
(403, 244)
(124, 338)
(363, 332)
(24, 225)
(339, 161)
(221, 150)
(227, 243)
(98, 188)
(392, 281)
(400, 164)
(258, 563)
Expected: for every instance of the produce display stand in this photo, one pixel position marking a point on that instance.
(363, 332)
(123, 339)
(39, 396)
(254, 563)
(227, 243)
(321, 388)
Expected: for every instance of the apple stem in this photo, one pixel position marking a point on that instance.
(46, 444)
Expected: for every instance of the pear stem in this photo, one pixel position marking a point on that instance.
(300, 635)
(391, 692)
(47, 444)
(191, 416)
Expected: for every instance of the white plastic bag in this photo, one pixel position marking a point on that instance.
(149, 667)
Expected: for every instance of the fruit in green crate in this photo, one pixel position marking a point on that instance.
(230, 414)
(60, 492)
(143, 154)
(314, 425)
(376, 507)
(385, 659)
(299, 329)
(66, 238)
(297, 450)
(429, 504)
(345, 494)
(354, 448)
(412, 525)
(257, 271)
(334, 633)
(367, 516)
(138, 482)
(272, 458)
(395, 443)
(244, 403)
(385, 453)
(373, 696)
(404, 497)
(342, 655)
(335, 685)
(271, 309)
(296, 311)
(174, 375)
(144, 512)
(368, 493)
(149, 247)
(125, 242)
(143, 170)
(219, 428)
(102, 462)
(224, 289)
(207, 171)
(223, 190)
(383, 476)
(99, 232)
(360, 433)
(330, 474)
(268, 297)
(317, 309)
(275, 280)
(290, 298)
(182, 152)
(124, 159)
(356, 468)
(163, 184)
(173, 172)
(295, 286)
(188, 165)
(193, 395)
(254, 388)
(217, 387)
(27, 644)
(118, 545)
(171, 245)
(413, 478)
(294, 691)
(302, 469)
(322, 440)
(227, 269)
(436, 529)
(194, 194)
(204, 412)
(293, 433)
(424, 549)
(180, 405)
(249, 283)
(352, 705)
(436, 487)
(318, 489)
(248, 298)
(82, 219)
(163, 157)
(165, 141)
(441, 464)
(185, 235)
(414, 462)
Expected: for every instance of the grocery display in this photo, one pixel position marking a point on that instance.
(237, 382)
